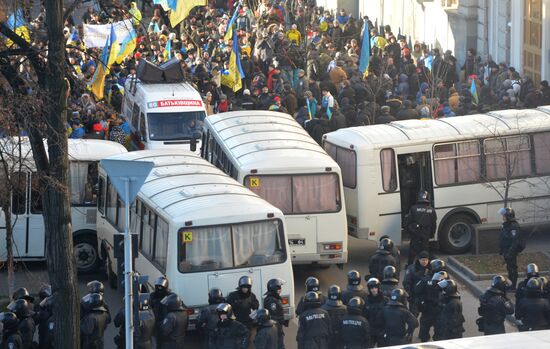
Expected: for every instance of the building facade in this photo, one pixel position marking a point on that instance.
(513, 31)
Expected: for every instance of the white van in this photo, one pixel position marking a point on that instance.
(164, 115)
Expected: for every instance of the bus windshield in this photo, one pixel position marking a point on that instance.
(175, 126)
(298, 194)
(231, 246)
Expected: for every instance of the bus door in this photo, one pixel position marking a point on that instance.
(227, 281)
(26, 216)
(415, 175)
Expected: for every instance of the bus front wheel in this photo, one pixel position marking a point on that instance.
(85, 250)
(457, 234)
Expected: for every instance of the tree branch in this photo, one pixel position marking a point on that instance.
(71, 8)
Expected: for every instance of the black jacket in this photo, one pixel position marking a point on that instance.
(450, 320)
(427, 295)
(336, 313)
(380, 260)
(301, 307)
(494, 306)
(422, 221)
(534, 313)
(243, 304)
(231, 334)
(372, 312)
(11, 340)
(92, 329)
(509, 238)
(26, 329)
(397, 321)
(171, 331)
(354, 331)
(314, 329)
(267, 336)
(414, 273)
(350, 293)
(273, 303)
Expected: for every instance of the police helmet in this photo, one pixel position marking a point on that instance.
(373, 283)
(532, 270)
(172, 302)
(224, 308)
(262, 316)
(389, 273)
(215, 296)
(20, 307)
(534, 287)
(448, 287)
(423, 196)
(356, 305)
(507, 212)
(9, 320)
(161, 284)
(334, 293)
(386, 244)
(245, 281)
(44, 292)
(398, 296)
(544, 281)
(274, 284)
(312, 298)
(22, 293)
(499, 282)
(96, 302)
(312, 284)
(354, 278)
(47, 303)
(95, 287)
(144, 301)
(440, 275)
(437, 265)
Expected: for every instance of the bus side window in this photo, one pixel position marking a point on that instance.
(142, 127)
(101, 195)
(36, 194)
(541, 144)
(387, 164)
(19, 193)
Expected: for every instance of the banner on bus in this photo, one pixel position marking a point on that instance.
(175, 103)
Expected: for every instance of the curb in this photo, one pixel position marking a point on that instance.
(453, 262)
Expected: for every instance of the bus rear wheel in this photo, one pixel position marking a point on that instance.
(85, 251)
(457, 234)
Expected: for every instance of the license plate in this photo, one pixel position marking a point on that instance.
(297, 242)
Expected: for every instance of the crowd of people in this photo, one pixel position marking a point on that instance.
(296, 58)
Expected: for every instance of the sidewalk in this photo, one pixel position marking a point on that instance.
(31, 275)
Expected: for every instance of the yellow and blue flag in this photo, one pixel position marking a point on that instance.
(229, 28)
(108, 56)
(365, 52)
(235, 74)
(16, 22)
(73, 39)
(168, 50)
(127, 47)
(473, 91)
(180, 9)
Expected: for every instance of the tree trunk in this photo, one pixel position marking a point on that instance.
(54, 180)
(9, 246)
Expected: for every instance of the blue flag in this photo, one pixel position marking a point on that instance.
(16, 20)
(329, 113)
(365, 51)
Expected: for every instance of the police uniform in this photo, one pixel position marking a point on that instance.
(379, 261)
(494, 306)
(450, 320)
(353, 329)
(267, 336)
(427, 293)
(421, 225)
(398, 322)
(336, 310)
(414, 273)
(243, 304)
(207, 321)
(314, 329)
(533, 310)
(231, 334)
(509, 240)
(92, 328)
(172, 328)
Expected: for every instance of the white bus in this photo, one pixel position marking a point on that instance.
(277, 159)
(462, 162)
(199, 228)
(164, 115)
(29, 239)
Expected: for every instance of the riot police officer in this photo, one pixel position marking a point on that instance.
(243, 301)
(44, 292)
(398, 322)
(314, 324)
(11, 338)
(22, 293)
(353, 328)
(274, 304)
(450, 320)
(336, 310)
(22, 309)
(45, 324)
(162, 289)
(390, 280)
(229, 333)
(93, 287)
(208, 317)
(494, 306)
(312, 284)
(414, 273)
(382, 258)
(94, 323)
(143, 336)
(267, 336)
(531, 271)
(421, 223)
(173, 325)
(533, 310)
(373, 308)
(510, 243)
(428, 293)
(354, 287)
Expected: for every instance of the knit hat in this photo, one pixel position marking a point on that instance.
(423, 254)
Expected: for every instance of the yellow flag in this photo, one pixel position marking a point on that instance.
(182, 10)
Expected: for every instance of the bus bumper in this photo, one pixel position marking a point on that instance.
(323, 258)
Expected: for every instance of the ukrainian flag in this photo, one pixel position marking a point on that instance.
(16, 22)
(365, 52)
(128, 46)
(473, 91)
(229, 28)
(108, 56)
(167, 54)
(233, 79)
(180, 9)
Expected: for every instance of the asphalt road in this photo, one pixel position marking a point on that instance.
(359, 254)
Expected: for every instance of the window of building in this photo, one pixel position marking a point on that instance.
(389, 173)
(449, 3)
(532, 39)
